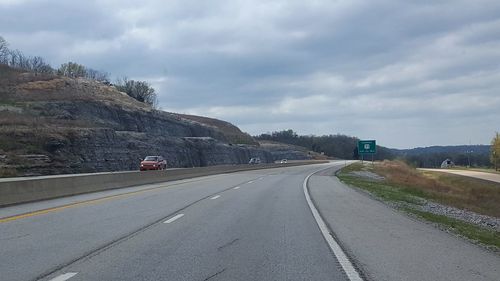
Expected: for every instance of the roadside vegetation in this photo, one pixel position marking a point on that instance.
(139, 90)
(495, 151)
(233, 134)
(345, 147)
(484, 236)
(412, 191)
(339, 146)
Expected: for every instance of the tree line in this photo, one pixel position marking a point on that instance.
(338, 146)
(432, 157)
(139, 90)
(345, 147)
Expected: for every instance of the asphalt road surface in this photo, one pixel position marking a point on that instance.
(253, 225)
(473, 174)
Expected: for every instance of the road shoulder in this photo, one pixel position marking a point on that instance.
(388, 245)
(494, 177)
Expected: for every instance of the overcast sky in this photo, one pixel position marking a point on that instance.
(406, 73)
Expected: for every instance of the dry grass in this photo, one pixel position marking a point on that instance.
(10, 120)
(29, 87)
(406, 187)
(7, 172)
(462, 192)
(233, 133)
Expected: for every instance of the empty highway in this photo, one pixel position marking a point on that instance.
(253, 225)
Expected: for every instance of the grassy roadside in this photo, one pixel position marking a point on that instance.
(407, 189)
(382, 189)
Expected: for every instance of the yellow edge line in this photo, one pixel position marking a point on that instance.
(84, 203)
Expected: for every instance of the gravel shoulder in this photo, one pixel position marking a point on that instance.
(389, 245)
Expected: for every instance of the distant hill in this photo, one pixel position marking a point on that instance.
(433, 156)
(335, 146)
(343, 147)
(478, 149)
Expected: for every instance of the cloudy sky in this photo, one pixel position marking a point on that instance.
(406, 73)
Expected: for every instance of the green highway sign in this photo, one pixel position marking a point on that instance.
(367, 147)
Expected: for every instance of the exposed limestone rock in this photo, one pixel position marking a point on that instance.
(77, 125)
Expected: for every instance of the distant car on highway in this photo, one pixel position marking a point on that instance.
(153, 163)
(255, 160)
(283, 161)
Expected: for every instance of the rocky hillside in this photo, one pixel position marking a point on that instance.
(51, 124)
(290, 152)
(231, 132)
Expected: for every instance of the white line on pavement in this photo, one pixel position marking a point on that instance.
(346, 264)
(215, 197)
(250, 182)
(172, 219)
(237, 187)
(64, 276)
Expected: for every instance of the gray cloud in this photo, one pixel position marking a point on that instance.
(408, 73)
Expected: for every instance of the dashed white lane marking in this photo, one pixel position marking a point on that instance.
(250, 182)
(346, 264)
(215, 197)
(174, 218)
(64, 276)
(237, 187)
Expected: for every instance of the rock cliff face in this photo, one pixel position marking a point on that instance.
(51, 124)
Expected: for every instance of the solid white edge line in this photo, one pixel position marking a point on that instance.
(346, 264)
(174, 218)
(64, 276)
(215, 197)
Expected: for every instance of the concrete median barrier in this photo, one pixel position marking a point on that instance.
(23, 190)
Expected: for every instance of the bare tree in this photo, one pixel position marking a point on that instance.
(18, 60)
(139, 90)
(73, 70)
(97, 75)
(145, 93)
(102, 77)
(4, 51)
(38, 65)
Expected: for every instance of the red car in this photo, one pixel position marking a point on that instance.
(153, 163)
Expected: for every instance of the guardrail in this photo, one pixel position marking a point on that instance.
(23, 190)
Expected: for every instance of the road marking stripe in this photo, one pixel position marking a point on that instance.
(215, 197)
(346, 264)
(64, 276)
(237, 187)
(250, 182)
(172, 219)
(89, 202)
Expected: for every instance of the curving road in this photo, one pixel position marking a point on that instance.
(253, 225)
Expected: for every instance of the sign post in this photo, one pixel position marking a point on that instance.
(367, 147)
